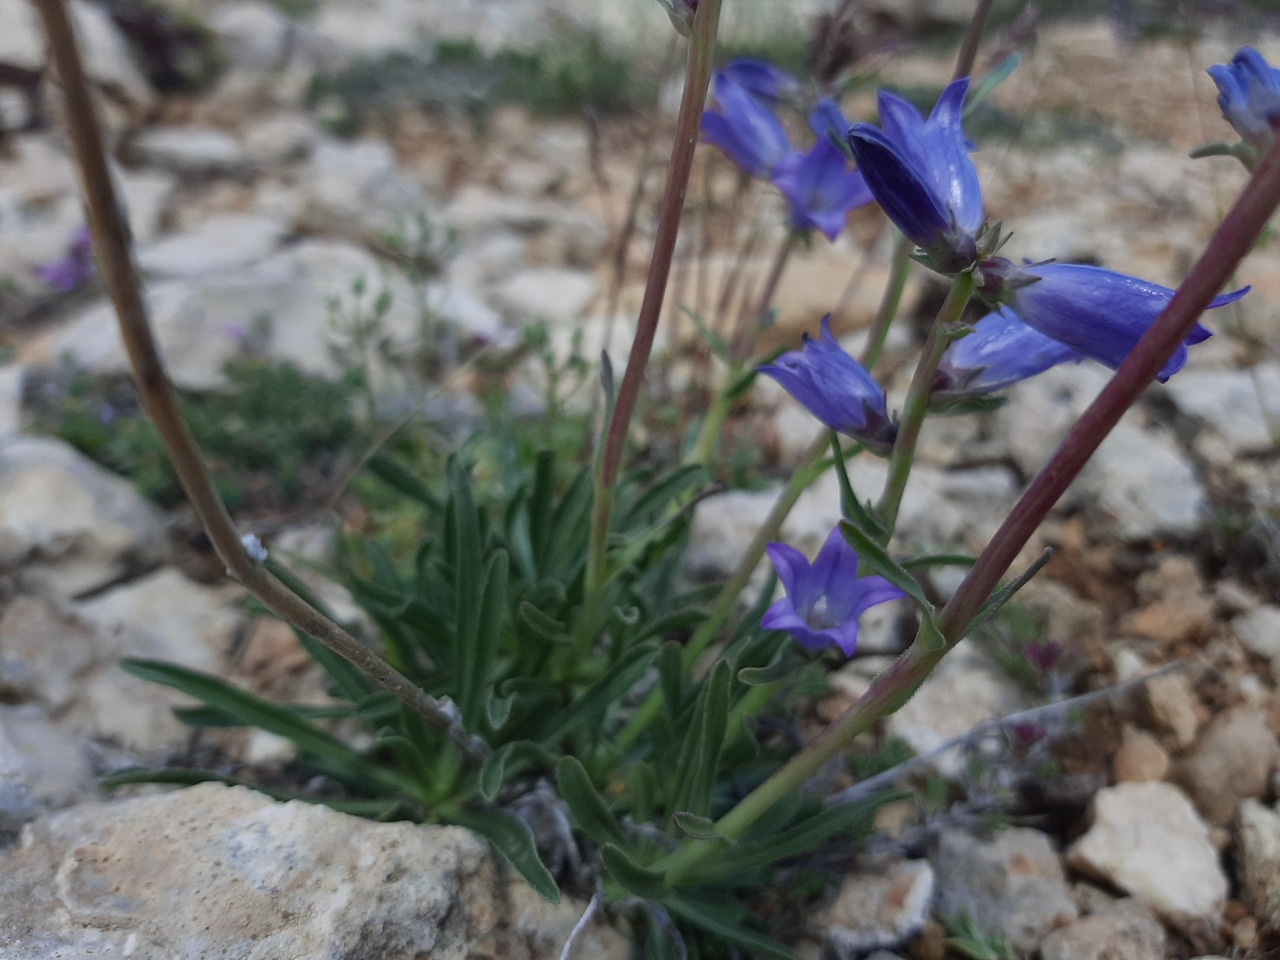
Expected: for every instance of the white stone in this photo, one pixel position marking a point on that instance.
(198, 322)
(1258, 849)
(252, 34)
(882, 908)
(358, 188)
(224, 873)
(1141, 480)
(1259, 630)
(10, 399)
(226, 242)
(146, 195)
(190, 150)
(66, 524)
(1148, 840)
(1227, 402)
(40, 767)
(280, 138)
(558, 296)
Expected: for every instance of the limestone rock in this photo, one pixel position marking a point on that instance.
(1140, 758)
(357, 188)
(40, 767)
(252, 34)
(1259, 631)
(1172, 706)
(555, 295)
(878, 909)
(66, 524)
(220, 243)
(1126, 930)
(1176, 605)
(190, 151)
(224, 873)
(1011, 883)
(1258, 850)
(1231, 761)
(1148, 840)
(1229, 405)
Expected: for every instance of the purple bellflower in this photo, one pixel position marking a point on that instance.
(1101, 313)
(1249, 95)
(920, 173)
(1000, 351)
(75, 268)
(818, 184)
(824, 599)
(836, 389)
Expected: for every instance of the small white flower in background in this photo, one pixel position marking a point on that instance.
(254, 547)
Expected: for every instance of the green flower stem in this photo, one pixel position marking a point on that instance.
(1240, 229)
(717, 413)
(916, 406)
(899, 267)
(702, 43)
(810, 468)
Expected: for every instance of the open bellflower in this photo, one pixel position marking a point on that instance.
(824, 599)
(1000, 351)
(1100, 313)
(921, 175)
(819, 186)
(1249, 95)
(74, 268)
(836, 389)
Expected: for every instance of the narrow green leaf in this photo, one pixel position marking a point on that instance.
(255, 712)
(877, 558)
(781, 667)
(718, 917)
(544, 626)
(494, 772)
(940, 560)
(512, 838)
(395, 475)
(586, 804)
(671, 675)
(1006, 593)
(590, 707)
(644, 882)
(850, 505)
(700, 753)
(995, 76)
(716, 342)
(497, 709)
(698, 828)
(473, 681)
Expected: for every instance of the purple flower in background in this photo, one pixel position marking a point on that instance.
(920, 173)
(1101, 313)
(1000, 351)
(1249, 95)
(75, 268)
(824, 599)
(746, 129)
(819, 186)
(836, 389)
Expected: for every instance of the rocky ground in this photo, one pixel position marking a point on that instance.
(1157, 831)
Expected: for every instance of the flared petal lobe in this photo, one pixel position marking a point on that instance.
(820, 188)
(761, 80)
(836, 389)
(1100, 313)
(824, 599)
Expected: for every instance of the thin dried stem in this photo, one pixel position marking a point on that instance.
(115, 257)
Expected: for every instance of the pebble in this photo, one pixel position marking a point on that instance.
(1228, 402)
(1175, 605)
(553, 294)
(1231, 761)
(1257, 849)
(1139, 759)
(1011, 883)
(1259, 631)
(1172, 706)
(227, 242)
(879, 909)
(1128, 930)
(1148, 840)
(189, 151)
